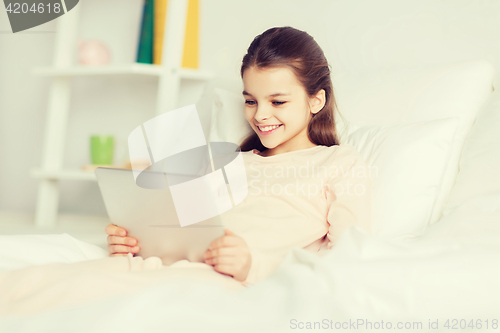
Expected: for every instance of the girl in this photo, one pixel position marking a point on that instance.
(304, 188)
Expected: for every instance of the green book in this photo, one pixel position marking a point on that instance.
(145, 49)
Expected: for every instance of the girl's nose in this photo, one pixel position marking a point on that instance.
(262, 114)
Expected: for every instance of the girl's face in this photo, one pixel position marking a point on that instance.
(278, 108)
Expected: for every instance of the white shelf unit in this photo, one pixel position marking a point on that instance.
(169, 74)
(63, 174)
(138, 69)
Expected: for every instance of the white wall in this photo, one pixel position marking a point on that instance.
(355, 35)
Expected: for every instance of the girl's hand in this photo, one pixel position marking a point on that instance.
(118, 243)
(229, 255)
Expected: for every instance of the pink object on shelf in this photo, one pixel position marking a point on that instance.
(93, 53)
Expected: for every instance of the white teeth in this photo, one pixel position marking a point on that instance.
(268, 128)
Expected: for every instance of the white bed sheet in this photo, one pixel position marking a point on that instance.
(23, 251)
(364, 277)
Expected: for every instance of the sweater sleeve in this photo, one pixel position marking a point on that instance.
(263, 264)
(348, 195)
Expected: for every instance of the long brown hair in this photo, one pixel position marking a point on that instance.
(297, 50)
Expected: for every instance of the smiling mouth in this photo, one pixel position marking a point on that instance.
(268, 129)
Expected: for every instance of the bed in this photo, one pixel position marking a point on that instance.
(431, 264)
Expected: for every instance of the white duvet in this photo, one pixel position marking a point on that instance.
(363, 279)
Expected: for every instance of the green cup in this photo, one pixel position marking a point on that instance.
(102, 149)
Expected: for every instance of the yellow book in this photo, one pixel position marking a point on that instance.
(190, 56)
(191, 42)
(159, 29)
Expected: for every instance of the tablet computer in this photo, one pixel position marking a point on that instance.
(149, 215)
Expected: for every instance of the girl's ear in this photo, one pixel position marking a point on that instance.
(317, 102)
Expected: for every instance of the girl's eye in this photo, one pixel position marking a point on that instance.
(253, 102)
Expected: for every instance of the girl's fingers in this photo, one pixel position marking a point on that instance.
(221, 251)
(223, 260)
(114, 230)
(225, 269)
(224, 241)
(122, 249)
(118, 240)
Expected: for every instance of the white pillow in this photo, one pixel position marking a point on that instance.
(407, 164)
(478, 183)
(472, 212)
(399, 95)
